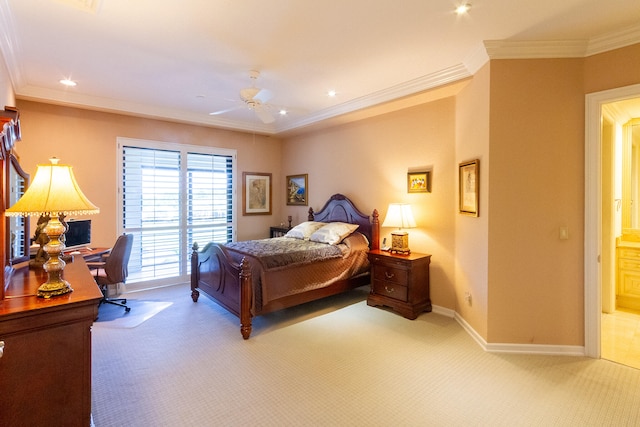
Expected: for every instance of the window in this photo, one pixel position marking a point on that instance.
(173, 195)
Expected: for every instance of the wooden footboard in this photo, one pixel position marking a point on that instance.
(228, 283)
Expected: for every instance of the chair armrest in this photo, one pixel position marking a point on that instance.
(95, 265)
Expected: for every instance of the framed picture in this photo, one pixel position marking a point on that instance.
(419, 182)
(469, 181)
(256, 193)
(297, 190)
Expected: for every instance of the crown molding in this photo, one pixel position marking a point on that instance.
(109, 105)
(514, 49)
(411, 87)
(476, 59)
(511, 49)
(616, 40)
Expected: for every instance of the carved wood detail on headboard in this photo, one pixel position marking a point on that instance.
(339, 208)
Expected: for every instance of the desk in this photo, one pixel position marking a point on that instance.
(45, 370)
(89, 254)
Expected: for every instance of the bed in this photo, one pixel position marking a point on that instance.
(249, 280)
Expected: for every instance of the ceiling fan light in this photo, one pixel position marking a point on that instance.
(68, 82)
(463, 8)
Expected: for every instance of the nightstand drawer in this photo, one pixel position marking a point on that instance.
(390, 274)
(391, 290)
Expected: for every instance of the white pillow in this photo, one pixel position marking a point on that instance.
(304, 230)
(333, 232)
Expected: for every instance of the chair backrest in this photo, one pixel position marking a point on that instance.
(115, 266)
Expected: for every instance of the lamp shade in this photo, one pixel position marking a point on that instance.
(399, 215)
(53, 191)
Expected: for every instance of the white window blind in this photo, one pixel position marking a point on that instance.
(172, 196)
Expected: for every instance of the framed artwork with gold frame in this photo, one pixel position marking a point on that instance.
(297, 190)
(469, 187)
(256, 193)
(419, 182)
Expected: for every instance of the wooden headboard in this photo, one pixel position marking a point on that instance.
(340, 209)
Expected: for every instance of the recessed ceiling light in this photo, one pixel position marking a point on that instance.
(332, 93)
(68, 82)
(283, 112)
(463, 8)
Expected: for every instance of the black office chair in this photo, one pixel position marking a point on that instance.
(112, 269)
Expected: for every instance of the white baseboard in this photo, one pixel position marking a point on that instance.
(541, 349)
(443, 311)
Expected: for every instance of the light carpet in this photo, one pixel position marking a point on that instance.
(338, 362)
(113, 316)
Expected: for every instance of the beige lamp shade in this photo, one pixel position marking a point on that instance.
(399, 215)
(53, 191)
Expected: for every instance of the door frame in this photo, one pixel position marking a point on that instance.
(593, 212)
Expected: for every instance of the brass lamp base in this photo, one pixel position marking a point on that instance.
(400, 242)
(55, 284)
(52, 289)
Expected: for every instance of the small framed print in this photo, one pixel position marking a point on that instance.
(469, 191)
(297, 190)
(419, 182)
(256, 193)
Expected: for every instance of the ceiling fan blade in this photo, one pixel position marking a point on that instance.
(264, 115)
(226, 110)
(263, 96)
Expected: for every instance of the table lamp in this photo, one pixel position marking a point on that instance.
(399, 215)
(53, 192)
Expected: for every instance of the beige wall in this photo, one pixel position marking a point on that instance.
(536, 187)
(471, 240)
(609, 70)
(87, 141)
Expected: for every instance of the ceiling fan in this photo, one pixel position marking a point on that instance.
(255, 99)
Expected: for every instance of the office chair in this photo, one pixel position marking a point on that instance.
(112, 269)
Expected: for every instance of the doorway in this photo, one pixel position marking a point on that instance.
(600, 214)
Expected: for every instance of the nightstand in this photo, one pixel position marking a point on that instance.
(278, 231)
(400, 282)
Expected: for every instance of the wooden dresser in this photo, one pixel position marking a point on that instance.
(45, 369)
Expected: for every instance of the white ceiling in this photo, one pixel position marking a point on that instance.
(181, 60)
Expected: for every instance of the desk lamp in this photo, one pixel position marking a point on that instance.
(53, 192)
(399, 215)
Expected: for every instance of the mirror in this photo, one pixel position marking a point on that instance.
(17, 244)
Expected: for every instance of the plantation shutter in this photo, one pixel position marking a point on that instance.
(171, 199)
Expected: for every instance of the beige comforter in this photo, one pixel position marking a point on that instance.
(272, 283)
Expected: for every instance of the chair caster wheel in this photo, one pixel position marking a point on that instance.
(127, 309)
(124, 301)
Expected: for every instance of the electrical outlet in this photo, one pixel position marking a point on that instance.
(564, 233)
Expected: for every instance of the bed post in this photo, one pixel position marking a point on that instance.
(195, 272)
(310, 216)
(375, 231)
(245, 298)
